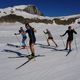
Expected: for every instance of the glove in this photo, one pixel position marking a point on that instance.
(60, 35)
(15, 34)
(43, 31)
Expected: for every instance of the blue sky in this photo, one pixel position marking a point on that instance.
(48, 7)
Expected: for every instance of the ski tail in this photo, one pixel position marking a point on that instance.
(13, 45)
(68, 52)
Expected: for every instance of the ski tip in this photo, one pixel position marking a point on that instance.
(17, 68)
(68, 53)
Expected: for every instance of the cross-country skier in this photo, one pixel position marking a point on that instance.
(50, 37)
(32, 39)
(24, 37)
(70, 37)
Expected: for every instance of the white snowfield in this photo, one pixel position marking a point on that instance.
(52, 65)
(7, 11)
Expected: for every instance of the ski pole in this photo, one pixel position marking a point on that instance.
(27, 48)
(18, 40)
(76, 44)
(62, 41)
(45, 35)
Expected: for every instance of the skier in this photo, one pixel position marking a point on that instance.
(49, 37)
(32, 39)
(24, 37)
(70, 37)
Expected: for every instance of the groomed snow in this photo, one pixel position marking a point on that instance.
(54, 65)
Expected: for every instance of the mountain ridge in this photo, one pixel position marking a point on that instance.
(30, 13)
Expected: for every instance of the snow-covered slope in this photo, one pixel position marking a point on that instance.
(53, 65)
(21, 14)
(18, 10)
(69, 16)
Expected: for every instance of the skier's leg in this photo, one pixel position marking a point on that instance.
(48, 42)
(67, 45)
(32, 49)
(23, 43)
(70, 45)
(54, 42)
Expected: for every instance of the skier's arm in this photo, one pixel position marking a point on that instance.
(45, 32)
(63, 34)
(17, 33)
(74, 31)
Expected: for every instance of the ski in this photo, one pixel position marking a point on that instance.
(17, 46)
(29, 59)
(20, 56)
(7, 50)
(48, 47)
(17, 57)
(44, 45)
(11, 51)
(59, 49)
(68, 52)
(53, 48)
(13, 45)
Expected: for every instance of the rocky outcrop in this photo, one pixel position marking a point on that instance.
(32, 9)
(15, 18)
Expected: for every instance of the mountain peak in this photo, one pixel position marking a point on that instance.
(32, 9)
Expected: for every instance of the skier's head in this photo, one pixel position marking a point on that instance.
(27, 25)
(69, 28)
(21, 28)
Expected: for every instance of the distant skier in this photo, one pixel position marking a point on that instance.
(70, 37)
(49, 37)
(24, 37)
(32, 39)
